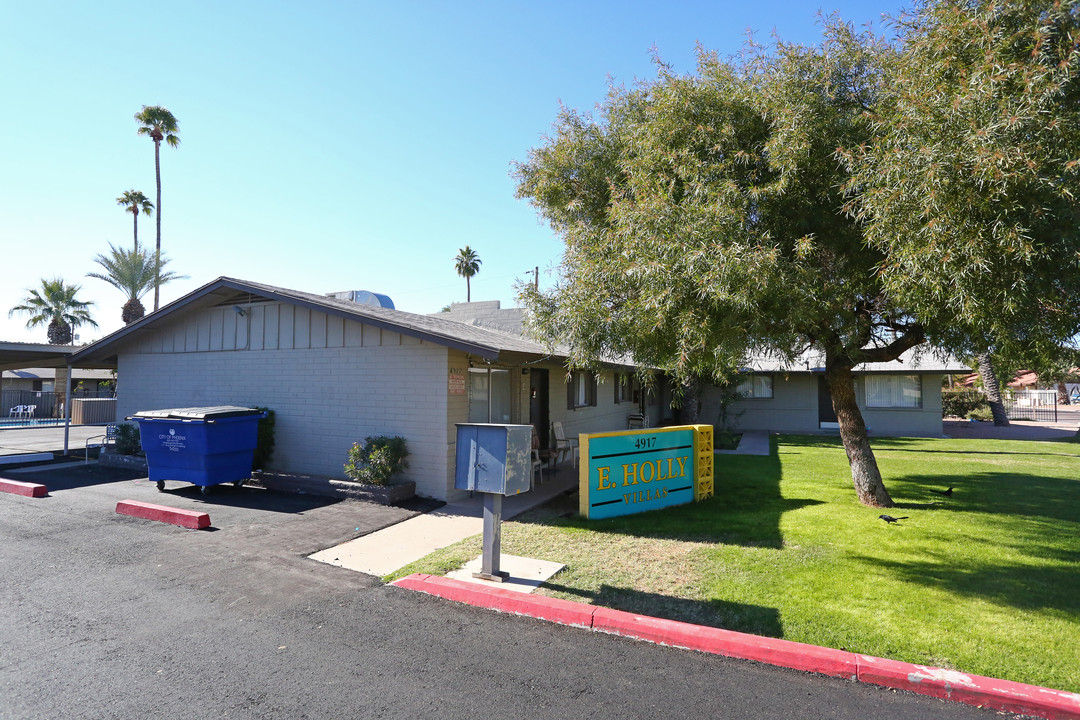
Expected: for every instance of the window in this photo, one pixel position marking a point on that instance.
(755, 387)
(580, 390)
(625, 388)
(489, 395)
(893, 391)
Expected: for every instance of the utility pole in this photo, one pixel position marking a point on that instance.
(536, 278)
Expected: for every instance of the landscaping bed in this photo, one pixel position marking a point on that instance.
(986, 581)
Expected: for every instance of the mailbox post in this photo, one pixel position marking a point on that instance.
(494, 460)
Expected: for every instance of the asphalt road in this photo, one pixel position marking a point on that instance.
(107, 616)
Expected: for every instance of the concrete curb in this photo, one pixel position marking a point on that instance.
(174, 516)
(935, 682)
(23, 488)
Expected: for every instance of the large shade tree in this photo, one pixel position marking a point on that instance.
(467, 263)
(970, 187)
(704, 223)
(134, 202)
(159, 125)
(56, 306)
(133, 272)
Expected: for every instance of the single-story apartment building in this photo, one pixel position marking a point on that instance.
(898, 398)
(336, 371)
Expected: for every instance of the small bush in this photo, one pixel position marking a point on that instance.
(961, 403)
(127, 439)
(983, 414)
(377, 460)
(264, 445)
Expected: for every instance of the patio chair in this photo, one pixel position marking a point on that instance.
(537, 463)
(564, 446)
(30, 410)
(17, 411)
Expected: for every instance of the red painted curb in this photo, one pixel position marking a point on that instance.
(935, 682)
(729, 643)
(174, 516)
(563, 612)
(23, 488)
(971, 689)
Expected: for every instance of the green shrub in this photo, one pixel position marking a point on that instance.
(982, 413)
(264, 445)
(961, 403)
(377, 460)
(127, 439)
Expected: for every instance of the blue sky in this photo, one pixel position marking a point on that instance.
(324, 146)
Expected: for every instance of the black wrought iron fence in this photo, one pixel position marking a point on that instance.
(27, 408)
(1034, 405)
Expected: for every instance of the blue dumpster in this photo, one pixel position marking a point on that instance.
(203, 445)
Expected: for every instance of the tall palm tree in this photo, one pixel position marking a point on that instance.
(159, 124)
(133, 272)
(133, 201)
(55, 305)
(467, 263)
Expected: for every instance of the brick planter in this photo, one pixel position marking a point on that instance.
(110, 458)
(331, 487)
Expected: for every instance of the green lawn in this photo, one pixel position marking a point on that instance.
(986, 582)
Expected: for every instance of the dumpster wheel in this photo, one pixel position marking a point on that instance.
(161, 485)
(239, 483)
(204, 489)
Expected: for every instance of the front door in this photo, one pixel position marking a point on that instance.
(538, 404)
(826, 414)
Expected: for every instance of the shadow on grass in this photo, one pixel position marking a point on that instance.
(1024, 587)
(792, 442)
(1000, 493)
(745, 510)
(754, 619)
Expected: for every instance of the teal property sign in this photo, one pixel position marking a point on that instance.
(632, 471)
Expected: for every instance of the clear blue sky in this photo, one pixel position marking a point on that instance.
(324, 146)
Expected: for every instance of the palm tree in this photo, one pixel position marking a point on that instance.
(55, 305)
(133, 272)
(467, 263)
(159, 124)
(133, 201)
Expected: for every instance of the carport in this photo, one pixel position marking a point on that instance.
(17, 355)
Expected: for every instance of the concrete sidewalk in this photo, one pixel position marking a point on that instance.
(29, 440)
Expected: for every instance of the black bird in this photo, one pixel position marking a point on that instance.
(946, 493)
(891, 519)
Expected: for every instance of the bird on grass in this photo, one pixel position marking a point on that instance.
(946, 493)
(891, 519)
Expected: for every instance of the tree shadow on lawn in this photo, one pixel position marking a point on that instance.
(909, 444)
(1024, 587)
(755, 619)
(745, 510)
(998, 493)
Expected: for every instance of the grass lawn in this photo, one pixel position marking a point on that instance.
(987, 581)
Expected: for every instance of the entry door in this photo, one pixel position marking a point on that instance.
(826, 414)
(538, 404)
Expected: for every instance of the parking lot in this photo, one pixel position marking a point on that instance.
(108, 616)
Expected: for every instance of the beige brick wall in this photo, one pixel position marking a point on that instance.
(324, 398)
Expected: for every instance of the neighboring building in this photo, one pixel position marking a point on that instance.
(899, 398)
(336, 371)
(44, 379)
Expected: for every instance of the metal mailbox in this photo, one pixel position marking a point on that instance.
(494, 458)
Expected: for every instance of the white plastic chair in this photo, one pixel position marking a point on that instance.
(17, 411)
(563, 445)
(30, 410)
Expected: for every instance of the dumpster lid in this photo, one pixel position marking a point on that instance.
(197, 413)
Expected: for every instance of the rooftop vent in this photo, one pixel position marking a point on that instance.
(364, 297)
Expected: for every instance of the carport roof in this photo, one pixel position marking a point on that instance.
(484, 342)
(16, 355)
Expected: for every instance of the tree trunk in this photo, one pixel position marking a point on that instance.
(468, 290)
(1063, 394)
(691, 405)
(993, 390)
(133, 310)
(869, 487)
(60, 332)
(157, 254)
(136, 233)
